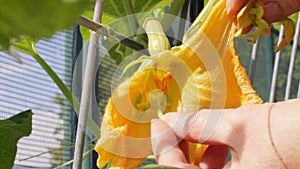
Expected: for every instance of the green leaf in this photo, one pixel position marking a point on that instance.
(155, 166)
(36, 18)
(114, 10)
(28, 47)
(118, 51)
(11, 131)
(130, 25)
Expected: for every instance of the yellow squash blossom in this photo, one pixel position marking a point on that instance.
(203, 72)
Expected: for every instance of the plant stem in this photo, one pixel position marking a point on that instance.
(86, 89)
(104, 30)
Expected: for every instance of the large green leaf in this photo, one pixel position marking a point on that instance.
(129, 25)
(36, 18)
(115, 9)
(11, 130)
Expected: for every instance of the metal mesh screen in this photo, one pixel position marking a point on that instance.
(27, 86)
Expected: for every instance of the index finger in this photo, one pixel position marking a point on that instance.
(214, 127)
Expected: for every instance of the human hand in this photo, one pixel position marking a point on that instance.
(258, 136)
(275, 10)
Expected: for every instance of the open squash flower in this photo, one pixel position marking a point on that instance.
(203, 72)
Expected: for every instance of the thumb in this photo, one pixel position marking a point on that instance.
(214, 127)
(277, 10)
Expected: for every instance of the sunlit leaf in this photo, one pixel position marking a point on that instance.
(11, 131)
(114, 9)
(36, 19)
